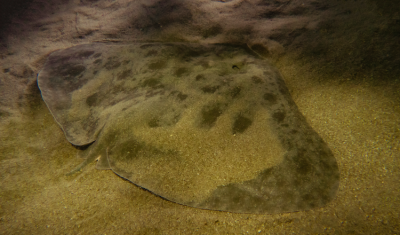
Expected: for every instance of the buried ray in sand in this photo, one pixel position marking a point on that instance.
(207, 126)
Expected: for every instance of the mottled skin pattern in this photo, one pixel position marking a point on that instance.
(103, 93)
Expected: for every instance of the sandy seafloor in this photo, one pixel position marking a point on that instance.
(338, 60)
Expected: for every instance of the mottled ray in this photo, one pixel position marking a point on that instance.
(207, 126)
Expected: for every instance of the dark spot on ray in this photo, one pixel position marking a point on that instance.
(282, 87)
(179, 72)
(200, 77)
(256, 80)
(279, 116)
(270, 14)
(271, 98)
(302, 165)
(212, 31)
(124, 74)
(152, 93)
(154, 122)
(152, 82)
(209, 116)
(85, 54)
(116, 89)
(112, 63)
(151, 53)
(179, 94)
(96, 55)
(98, 61)
(209, 89)
(157, 65)
(92, 100)
(241, 124)
(182, 96)
(235, 67)
(235, 92)
(283, 91)
(71, 70)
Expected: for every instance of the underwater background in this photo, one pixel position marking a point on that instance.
(339, 59)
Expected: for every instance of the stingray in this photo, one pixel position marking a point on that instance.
(210, 126)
